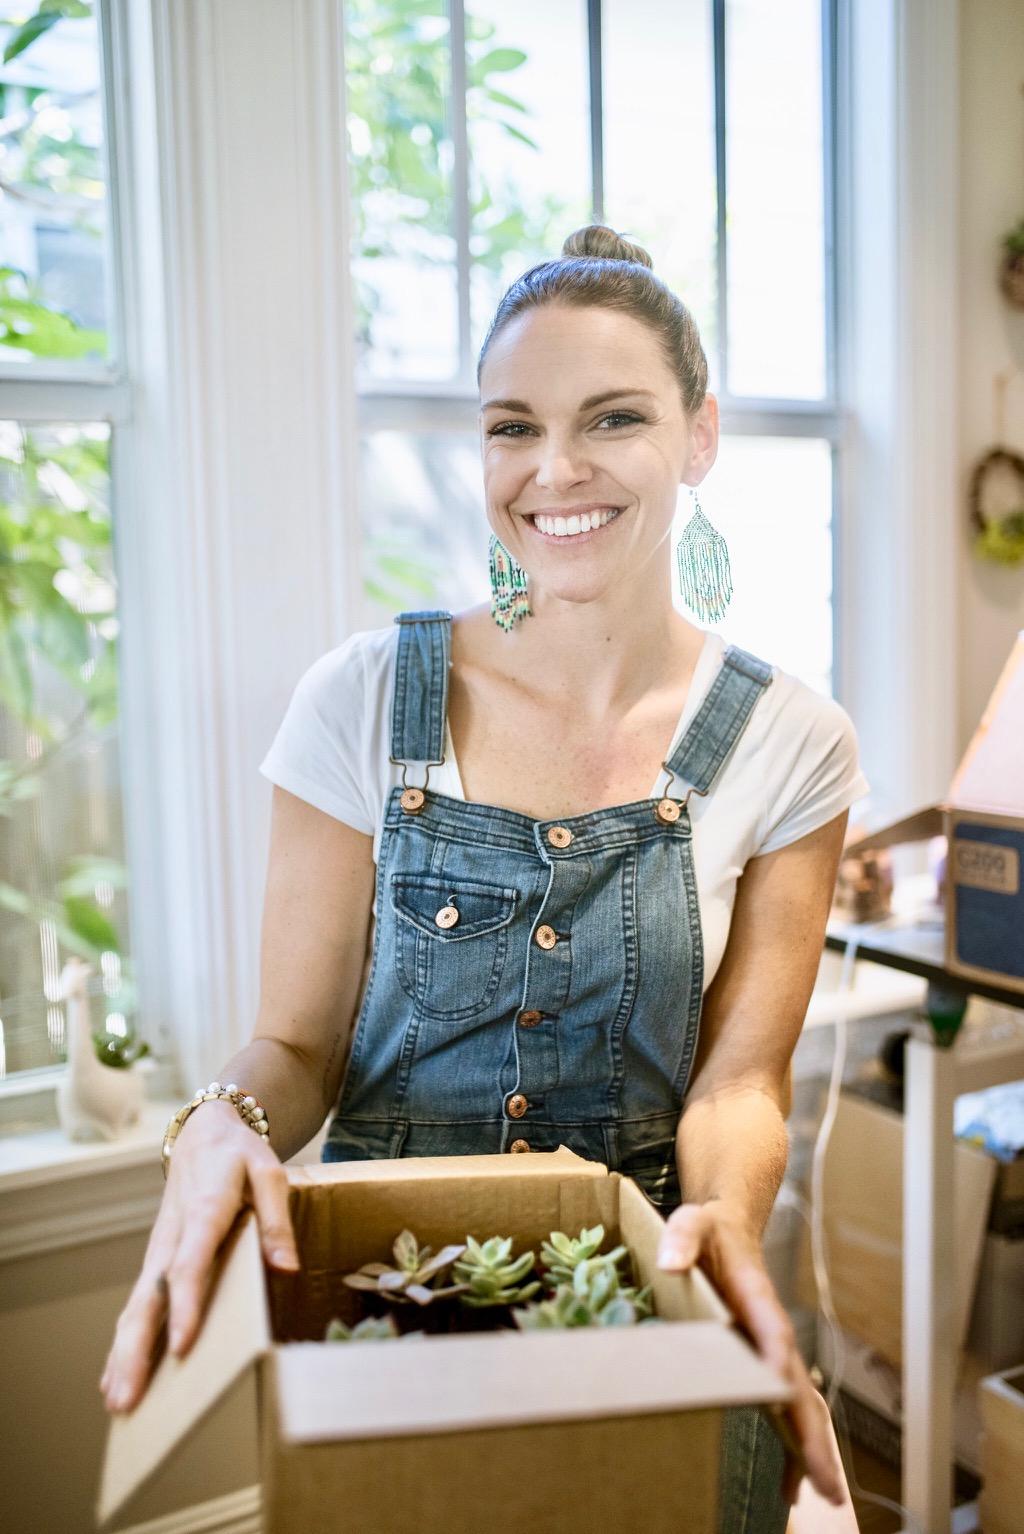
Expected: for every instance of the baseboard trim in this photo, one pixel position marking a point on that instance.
(239, 1512)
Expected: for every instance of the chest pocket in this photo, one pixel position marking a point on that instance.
(451, 968)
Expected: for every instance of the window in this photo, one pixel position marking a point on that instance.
(479, 136)
(62, 873)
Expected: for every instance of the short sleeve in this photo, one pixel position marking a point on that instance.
(813, 775)
(317, 753)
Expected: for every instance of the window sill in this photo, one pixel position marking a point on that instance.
(57, 1193)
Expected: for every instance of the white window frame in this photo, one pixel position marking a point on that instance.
(238, 525)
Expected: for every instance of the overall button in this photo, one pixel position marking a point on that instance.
(412, 800)
(545, 937)
(517, 1106)
(667, 810)
(530, 1019)
(519, 1145)
(447, 916)
(559, 836)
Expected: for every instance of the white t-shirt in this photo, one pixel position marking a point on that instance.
(794, 767)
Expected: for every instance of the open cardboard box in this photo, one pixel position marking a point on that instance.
(549, 1431)
(983, 821)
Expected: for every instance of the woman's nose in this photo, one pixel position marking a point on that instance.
(561, 465)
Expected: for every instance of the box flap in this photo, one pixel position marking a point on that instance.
(558, 1163)
(922, 823)
(990, 778)
(235, 1332)
(360, 1390)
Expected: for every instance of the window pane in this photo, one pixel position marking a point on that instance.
(62, 889)
(529, 141)
(425, 535)
(771, 499)
(53, 206)
(398, 77)
(659, 144)
(774, 188)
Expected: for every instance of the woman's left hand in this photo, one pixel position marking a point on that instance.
(716, 1236)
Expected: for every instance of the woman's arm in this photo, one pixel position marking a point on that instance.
(316, 917)
(731, 1141)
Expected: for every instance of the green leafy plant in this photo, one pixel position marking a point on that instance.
(561, 1255)
(594, 1296)
(372, 1329)
(492, 1276)
(416, 1277)
(119, 1050)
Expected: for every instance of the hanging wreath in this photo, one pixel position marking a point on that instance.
(997, 538)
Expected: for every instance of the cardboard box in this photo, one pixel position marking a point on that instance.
(982, 819)
(1002, 1452)
(548, 1431)
(863, 1226)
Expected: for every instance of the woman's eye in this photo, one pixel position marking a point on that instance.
(620, 417)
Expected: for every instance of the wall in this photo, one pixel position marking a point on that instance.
(991, 332)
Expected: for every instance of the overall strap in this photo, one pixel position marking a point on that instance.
(419, 701)
(720, 720)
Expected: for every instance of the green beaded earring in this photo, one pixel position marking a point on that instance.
(509, 599)
(705, 576)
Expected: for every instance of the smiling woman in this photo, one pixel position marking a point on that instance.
(558, 882)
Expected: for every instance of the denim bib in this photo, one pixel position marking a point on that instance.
(533, 983)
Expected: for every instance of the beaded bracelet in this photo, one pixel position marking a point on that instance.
(250, 1108)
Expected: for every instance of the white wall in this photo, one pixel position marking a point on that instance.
(991, 332)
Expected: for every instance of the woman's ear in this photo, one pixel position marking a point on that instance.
(704, 435)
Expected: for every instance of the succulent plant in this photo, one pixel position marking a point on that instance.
(492, 1275)
(373, 1329)
(562, 1255)
(594, 1297)
(415, 1277)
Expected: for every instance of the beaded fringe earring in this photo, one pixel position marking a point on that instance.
(509, 599)
(705, 576)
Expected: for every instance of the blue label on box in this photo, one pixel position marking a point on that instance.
(985, 865)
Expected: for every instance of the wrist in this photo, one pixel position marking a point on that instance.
(246, 1110)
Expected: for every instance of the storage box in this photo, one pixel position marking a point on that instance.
(503, 1430)
(1002, 1452)
(863, 1225)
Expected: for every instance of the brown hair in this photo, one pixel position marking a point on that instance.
(597, 266)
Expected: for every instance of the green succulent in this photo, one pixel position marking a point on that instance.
(562, 1255)
(119, 1050)
(373, 1329)
(492, 1276)
(416, 1277)
(594, 1297)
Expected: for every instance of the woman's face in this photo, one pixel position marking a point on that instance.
(582, 417)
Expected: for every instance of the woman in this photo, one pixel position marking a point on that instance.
(467, 859)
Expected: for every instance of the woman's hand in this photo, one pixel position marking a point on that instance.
(717, 1237)
(218, 1164)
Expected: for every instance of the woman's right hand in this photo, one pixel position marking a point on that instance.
(218, 1164)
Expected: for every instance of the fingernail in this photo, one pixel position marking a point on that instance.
(176, 1338)
(281, 1257)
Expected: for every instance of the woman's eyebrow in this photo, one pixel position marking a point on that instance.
(588, 404)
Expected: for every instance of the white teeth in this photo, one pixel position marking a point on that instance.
(562, 527)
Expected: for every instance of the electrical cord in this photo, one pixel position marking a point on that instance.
(815, 1220)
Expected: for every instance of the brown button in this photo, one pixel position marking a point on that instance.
(412, 800)
(667, 810)
(530, 1019)
(517, 1106)
(447, 916)
(519, 1145)
(559, 836)
(545, 937)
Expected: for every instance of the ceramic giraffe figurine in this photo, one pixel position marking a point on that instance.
(94, 1101)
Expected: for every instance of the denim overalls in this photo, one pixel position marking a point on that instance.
(533, 983)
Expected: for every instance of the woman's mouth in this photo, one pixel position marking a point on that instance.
(575, 529)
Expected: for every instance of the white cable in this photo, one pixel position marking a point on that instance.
(816, 1222)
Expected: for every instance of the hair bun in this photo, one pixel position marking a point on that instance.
(602, 243)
